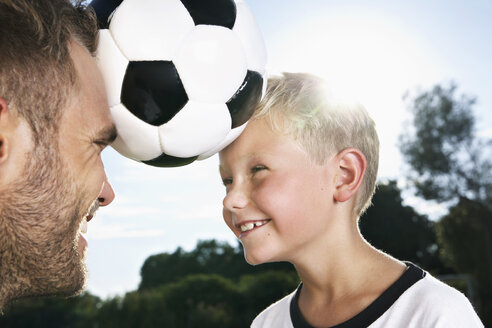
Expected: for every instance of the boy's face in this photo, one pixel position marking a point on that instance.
(278, 201)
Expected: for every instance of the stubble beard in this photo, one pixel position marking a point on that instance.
(39, 221)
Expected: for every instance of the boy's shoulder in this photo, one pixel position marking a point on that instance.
(431, 303)
(426, 303)
(276, 315)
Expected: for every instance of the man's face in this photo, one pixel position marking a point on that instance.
(63, 179)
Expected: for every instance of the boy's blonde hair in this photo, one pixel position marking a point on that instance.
(300, 106)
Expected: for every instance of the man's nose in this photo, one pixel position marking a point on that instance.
(106, 195)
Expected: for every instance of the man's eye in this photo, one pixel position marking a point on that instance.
(100, 145)
(258, 168)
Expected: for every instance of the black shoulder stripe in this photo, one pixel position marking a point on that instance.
(375, 310)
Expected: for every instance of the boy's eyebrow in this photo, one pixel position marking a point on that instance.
(221, 169)
(107, 134)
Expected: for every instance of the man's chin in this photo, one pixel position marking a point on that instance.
(73, 287)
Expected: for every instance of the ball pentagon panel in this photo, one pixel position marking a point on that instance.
(212, 12)
(152, 91)
(104, 9)
(243, 103)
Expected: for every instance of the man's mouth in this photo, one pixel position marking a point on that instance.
(88, 216)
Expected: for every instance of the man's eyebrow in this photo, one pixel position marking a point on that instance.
(107, 134)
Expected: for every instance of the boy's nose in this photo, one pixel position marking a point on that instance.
(106, 195)
(235, 200)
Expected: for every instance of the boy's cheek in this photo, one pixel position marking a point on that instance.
(227, 218)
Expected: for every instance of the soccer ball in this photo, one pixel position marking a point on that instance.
(183, 76)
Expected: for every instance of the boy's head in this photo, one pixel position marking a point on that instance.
(301, 106)
(301, 170)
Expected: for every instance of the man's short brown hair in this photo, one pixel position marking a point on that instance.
(36, 71)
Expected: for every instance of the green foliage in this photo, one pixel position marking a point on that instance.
(449, 163)
(136, 310)
(465, 237)
(446, 159)
(199, 300)
(463, 241)
(51, 312)
(209, 257)
(399, 230)
(191, 297)
(261, 290)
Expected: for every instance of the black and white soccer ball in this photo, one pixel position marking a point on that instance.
(183, 76)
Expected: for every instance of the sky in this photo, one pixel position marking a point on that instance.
(374, 51)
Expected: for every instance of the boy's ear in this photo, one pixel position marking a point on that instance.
(351, 166)
(4, 122)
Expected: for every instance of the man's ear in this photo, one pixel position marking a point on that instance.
(4, 118)
(351, 166)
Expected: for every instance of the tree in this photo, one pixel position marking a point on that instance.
(209, 256)
(464, 247)
(262, 289)
(51, 312)
(446, 160)
(399, 230)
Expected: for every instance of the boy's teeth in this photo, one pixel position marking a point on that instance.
(83, 226)
(247, 226)
(250, 225)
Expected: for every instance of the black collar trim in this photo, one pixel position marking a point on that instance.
(374, 310)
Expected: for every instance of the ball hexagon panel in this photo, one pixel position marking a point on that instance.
(231, 136)
(197, 128)
(136, 139)
(250, 36)
(168, 22)
(104, 9)
(113, 64)
(166, 160)
(211, 63)
(152, 90)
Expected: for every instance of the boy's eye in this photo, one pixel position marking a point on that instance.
(258, 168)
(227, 181)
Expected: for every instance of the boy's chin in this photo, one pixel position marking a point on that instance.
(253, 260)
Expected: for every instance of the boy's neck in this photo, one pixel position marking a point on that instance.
(346, 276)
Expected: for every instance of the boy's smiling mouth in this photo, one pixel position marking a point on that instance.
(247, 226)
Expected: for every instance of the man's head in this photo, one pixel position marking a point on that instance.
(36, 70)
(54, 123)
(301, 106)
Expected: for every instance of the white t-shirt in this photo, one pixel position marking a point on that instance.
(415, 300)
